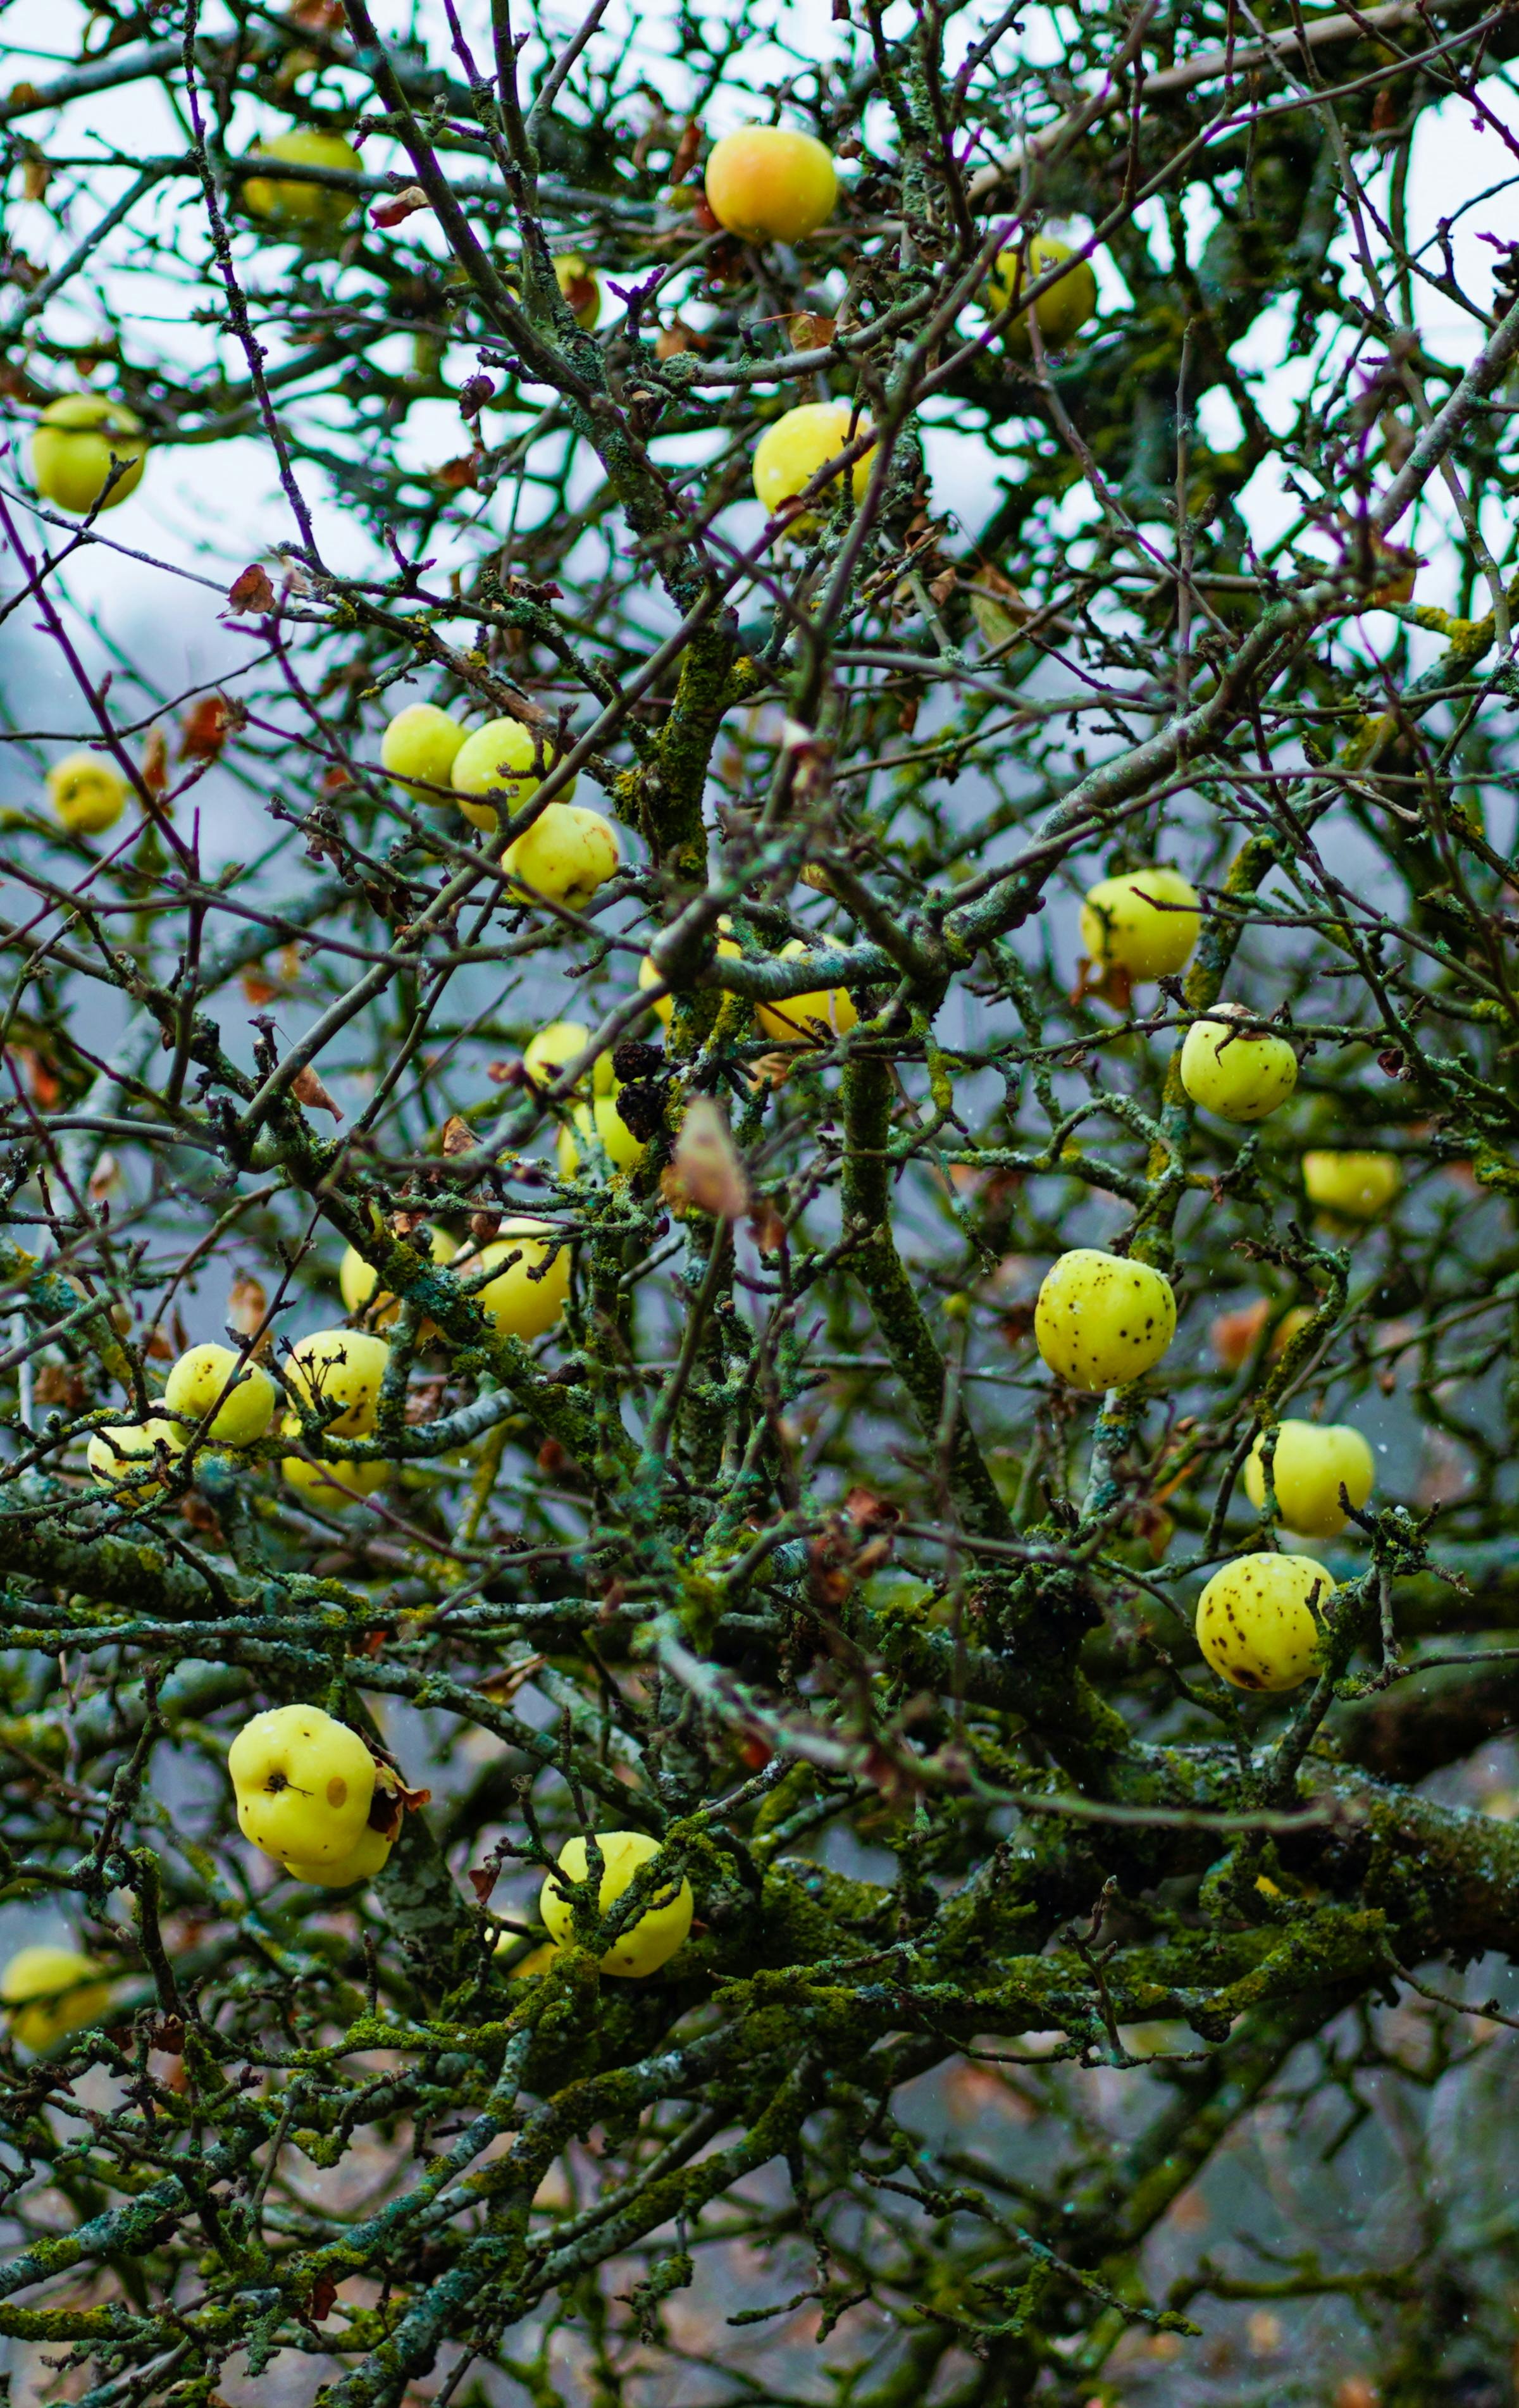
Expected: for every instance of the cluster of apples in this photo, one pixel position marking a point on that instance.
(1102, 1321)
(800, 1020)
(524, 1297)
(311, 1794)
(764, 183)
(566, 854)
(771, 183)
(231, 1402)
(336, 1372)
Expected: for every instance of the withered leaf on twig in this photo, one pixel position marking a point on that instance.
(707, 1170)
(393, 1800)
(400, 206)
(322, 2299)
(306, 1088)
(252, 590)
(207, 726)
(247, 1304)
(767, 1227)
(155, 762)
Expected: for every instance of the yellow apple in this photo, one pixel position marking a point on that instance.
(1063, 310)
(1313, 1460)
(786, 1024)
(1146, 922)
(127, 1456)
(1101, 1321)
(74, 445)
(1352, 1186)
(419, 750)
(357, 1280)
(51, 1992)
(329, 1486)
(806, 1019)
(544, 1057)
(647, 976)
(768, 184)
(506, 759)
(304, 1783)
(622, 1148)
(643, 1946)
(307, 208)
(342, 1367)
(1258, 1620)
(520, 1304)
(1242, 1075)
(1296, 1317)
(538, 1960)
(208, 1373)
(566, 854)
(87, 793)
(559, 1044)
(790, 453)
(363, 1860)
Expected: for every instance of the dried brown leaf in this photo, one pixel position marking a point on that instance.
(207, 726)
(155, 762)
(400, 206)
(809, 329)
(1234, 1336)
(676, 337)
(393, 1800)
(56, 1384)
(247, 1304)
(684, 157)
(308, 1089)
(869, 1513)
(767, 1227)
(252, 590)
(202, 1518)
(707, 1170)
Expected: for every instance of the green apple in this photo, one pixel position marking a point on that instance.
(304, 1783)
(242, 1394)
(74, 444)
(51, 1992)
(642, 1946)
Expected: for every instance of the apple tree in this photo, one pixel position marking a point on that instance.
(761, 1326)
